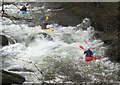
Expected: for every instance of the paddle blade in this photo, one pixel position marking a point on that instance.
(81, 47)
(27, 4)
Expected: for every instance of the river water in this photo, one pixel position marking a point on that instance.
(52, 56)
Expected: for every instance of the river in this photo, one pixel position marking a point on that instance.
(55, 56)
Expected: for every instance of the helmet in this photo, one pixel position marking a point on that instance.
(46, 18)
(88, 47)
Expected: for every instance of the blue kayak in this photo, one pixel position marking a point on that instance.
(23, 12)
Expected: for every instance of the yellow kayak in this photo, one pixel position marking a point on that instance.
(48, 29)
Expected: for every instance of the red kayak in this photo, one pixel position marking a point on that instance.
(90, 58)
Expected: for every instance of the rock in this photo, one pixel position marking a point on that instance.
(86, 23)
(20, 69)
(46, 36)
(4, 40)
(108, 42)
(31, 24)
(9, 78)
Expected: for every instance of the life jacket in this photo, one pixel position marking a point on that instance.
(88, 53)
(23, 10)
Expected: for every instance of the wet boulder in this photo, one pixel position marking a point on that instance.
(86, 22)
(108, 42)
(47, 36)
(9, 78)
(6, 40)
(85, 25)
(18, 69)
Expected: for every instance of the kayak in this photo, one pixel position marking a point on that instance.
(47, 29)
(23, 12)
(88, 58)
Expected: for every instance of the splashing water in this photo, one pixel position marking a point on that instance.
(37, 53)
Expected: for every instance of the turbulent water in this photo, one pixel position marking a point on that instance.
(53, 56)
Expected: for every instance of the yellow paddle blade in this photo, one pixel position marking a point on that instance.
(39, 27)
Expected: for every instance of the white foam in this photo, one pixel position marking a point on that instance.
(39, 50)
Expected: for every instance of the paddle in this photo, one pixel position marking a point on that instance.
(27, 4)
(82, 47)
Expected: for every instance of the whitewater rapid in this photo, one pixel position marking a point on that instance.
(35, 52)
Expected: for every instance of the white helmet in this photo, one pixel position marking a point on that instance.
(88, 47)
